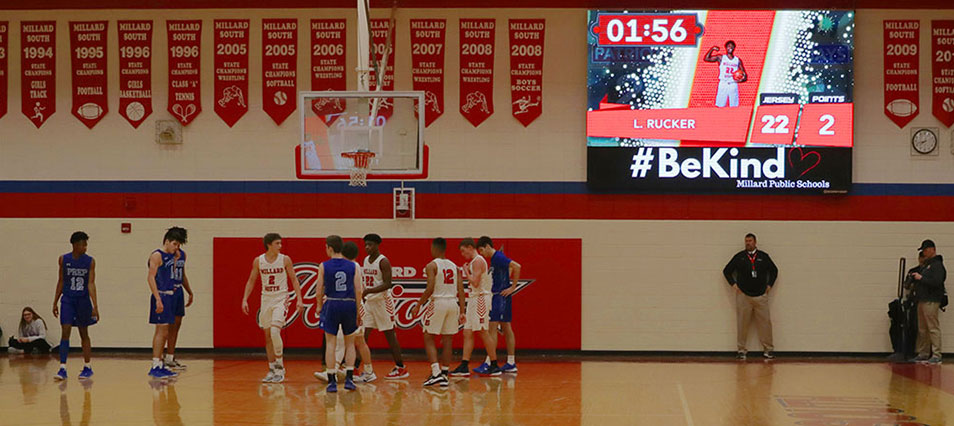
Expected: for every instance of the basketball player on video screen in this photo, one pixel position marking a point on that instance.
(731, 73)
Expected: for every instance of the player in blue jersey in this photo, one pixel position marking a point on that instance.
(342, 301)
(75, 300)
(164, 272)
(179, 303)
(505, 274)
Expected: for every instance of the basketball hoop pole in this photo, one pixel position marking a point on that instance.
(364, 45)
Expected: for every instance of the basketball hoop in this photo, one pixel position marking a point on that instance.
(362, 163)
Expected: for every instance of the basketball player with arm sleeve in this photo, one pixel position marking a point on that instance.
(179, 304)
(76, 295)
(379, 305)
(342, 300)
(275, 271)
(478, 309)
(445, 293)
(731, 73)
(164, 271)
(505, 274)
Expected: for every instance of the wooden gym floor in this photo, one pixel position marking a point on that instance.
(225, 389)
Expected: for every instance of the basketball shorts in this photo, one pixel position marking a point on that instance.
(273, 312)
(478, 312)
(76, 311)
(728, 94)
(501, 309)
(441, 316)
(168, 312)
(378, 314)
(178, 302)
(339, 313)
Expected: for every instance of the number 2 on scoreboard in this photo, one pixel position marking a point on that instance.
(825, 129)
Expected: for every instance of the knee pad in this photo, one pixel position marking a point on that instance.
(277, 340)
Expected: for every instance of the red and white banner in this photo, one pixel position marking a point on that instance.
(279, 67)
(477, 69)
(135, 71)
(4, 65)
(231, 69)
(942, 60)
(427, 64)
(38, 68)
(88, 60)
(526, 68)
(379, 43)
(328, 48)
(185, 77)
(547, 301)
(901, 45)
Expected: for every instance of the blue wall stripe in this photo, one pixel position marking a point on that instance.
(382, 187)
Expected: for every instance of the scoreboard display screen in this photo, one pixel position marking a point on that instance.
(720, 101)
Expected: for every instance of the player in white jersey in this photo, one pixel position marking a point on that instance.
(445, 310)
(731, 73)
(478, 309)
(379, 306)
(275, 271)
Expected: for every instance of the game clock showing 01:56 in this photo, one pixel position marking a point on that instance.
(723, 101)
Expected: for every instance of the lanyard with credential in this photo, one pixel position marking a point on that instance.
(752, 261)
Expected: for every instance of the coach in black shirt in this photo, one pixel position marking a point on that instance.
(751, 273)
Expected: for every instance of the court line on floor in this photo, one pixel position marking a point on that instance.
(685, 405)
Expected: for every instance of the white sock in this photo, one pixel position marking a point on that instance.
(88, 366)
(368, 368)
(511, 359)
(435, 369)
(487, 361)
(170, 357)
(63, 366)
(156, 363)
(279, 362)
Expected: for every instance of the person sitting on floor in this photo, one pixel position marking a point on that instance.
(31, 334)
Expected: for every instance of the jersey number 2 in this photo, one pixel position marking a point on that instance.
(341, 281)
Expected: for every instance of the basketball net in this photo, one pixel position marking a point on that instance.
(361, 165)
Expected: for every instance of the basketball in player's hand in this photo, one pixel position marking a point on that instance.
(738, 75)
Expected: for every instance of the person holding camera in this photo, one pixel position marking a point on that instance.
(930, 294)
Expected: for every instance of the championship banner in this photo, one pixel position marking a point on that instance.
(185, 78)
(231, 69)
(38, 68)
(135, 71)
(942, 58)
(379, 43)
(328, 41)
(548, 288)
(279, 67)
(477, 69)
(88, 60)
(526, 68)
(4, 63)
(427, 64)
(901, 41)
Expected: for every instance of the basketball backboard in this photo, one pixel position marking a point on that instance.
(337, 123)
